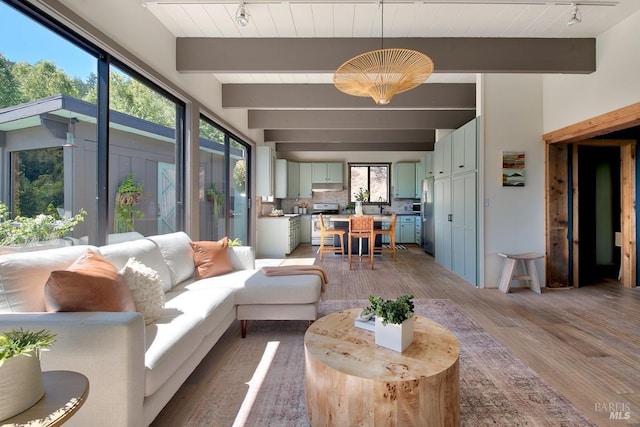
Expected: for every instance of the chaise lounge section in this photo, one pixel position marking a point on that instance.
(134, 369)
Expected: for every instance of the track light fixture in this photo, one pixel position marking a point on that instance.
(575, 17)
(242, 16)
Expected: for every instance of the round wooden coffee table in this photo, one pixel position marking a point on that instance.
(349, 381)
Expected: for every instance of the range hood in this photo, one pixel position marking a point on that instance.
(321, 187)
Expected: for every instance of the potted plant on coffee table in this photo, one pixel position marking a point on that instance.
(20, 373)
(394, 321)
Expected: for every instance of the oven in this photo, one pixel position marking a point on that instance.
(326, 209)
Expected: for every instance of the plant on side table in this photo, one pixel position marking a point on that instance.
(394, 321)
(20, 373)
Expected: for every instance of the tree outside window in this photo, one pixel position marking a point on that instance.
(373, 177)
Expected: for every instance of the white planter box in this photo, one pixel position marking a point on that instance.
(394, 336)
(20, 383)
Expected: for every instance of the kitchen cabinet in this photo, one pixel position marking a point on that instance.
(418, 229)
(265, 165)
(442, 220)
(305, 228)
(428, 165)
(305, 181)
(463, 148)
(463, 226)
(406, 229)
(277, 236)
(442, 157)
(419, 177)
(281, 179)
(327, 173)
(404, 180)
(293, 180)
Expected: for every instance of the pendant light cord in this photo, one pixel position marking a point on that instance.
(382, 24)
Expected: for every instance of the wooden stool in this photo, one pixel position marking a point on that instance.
(529, 270)
(324, 231)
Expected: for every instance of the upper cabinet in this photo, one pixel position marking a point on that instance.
(305, 181)
(281, 179)
(329, 173)
(265, 165)
(404, 180)
(464, 148)
(442, 157)
(293, 180)
(428, 165)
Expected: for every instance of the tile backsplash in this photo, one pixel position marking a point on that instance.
(341, 197)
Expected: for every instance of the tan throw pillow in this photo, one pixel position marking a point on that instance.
(91, 283)
(211, 258)
(146, 288)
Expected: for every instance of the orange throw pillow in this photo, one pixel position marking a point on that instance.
(211, 258)
(91, 283)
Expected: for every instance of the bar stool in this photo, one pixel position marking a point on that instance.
(391, 232)
(324, 231)
(529, 270)
(361, 227)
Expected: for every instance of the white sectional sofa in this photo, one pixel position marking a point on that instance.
(134, 369)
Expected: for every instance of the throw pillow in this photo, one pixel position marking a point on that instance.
(211, 258)
(91, 283)
(146, 288)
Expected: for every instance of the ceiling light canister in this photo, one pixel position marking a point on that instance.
(575, 17)
(242, 16)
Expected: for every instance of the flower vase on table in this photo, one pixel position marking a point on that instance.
(358, 208)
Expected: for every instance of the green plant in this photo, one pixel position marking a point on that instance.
(239, 176)
(26, 343)
(217, 198)
(235, 242)
(393, 310)
(21, 230)
(362, 195)
(127, 197)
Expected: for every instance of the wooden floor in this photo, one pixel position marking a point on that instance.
(584, 342)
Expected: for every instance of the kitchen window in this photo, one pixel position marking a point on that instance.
(373, 177)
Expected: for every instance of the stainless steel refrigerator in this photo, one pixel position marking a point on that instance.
(427, 214)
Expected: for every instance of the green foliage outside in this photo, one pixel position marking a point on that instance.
(26, 343)
(21, 230)
(128, 195)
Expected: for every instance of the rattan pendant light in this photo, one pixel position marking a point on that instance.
(383, 73)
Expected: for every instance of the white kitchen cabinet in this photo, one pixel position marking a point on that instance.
(293, 180)
(305, 181)
(327, 173)
(404, 180)
(305, 228)
(281, 179)
(463, 148)
(265, 165)
(277, 237)
(442, 157)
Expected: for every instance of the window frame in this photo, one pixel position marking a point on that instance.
(368, 165)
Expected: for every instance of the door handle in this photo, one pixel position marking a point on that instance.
(450, 217)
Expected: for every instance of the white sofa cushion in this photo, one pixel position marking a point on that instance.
(186, 319)
(24, 274)
(145, 251)
(177, 254)
(146, 289)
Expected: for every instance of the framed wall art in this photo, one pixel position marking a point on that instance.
(513, 174)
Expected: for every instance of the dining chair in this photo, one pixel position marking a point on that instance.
(324, 231)
(391, 232)
(361, 227)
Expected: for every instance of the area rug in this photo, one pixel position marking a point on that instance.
(261, 383)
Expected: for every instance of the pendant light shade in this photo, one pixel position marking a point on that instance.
(383, 73)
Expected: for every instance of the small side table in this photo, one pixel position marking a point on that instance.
(64, 394)
(530, 274)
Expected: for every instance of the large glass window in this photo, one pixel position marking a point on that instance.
(58, 153)
(224, 200)
(372, 178)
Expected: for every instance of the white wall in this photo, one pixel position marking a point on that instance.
(513, 216)
(569, 99)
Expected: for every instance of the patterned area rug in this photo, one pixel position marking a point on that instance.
(262, 382)
(398, 247)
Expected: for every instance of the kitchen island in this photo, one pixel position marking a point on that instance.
(341, 222)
